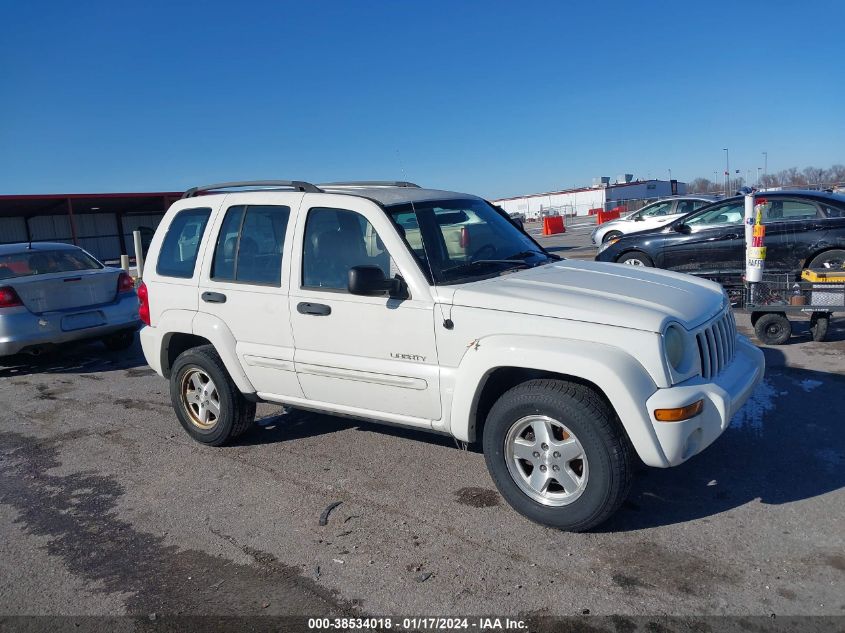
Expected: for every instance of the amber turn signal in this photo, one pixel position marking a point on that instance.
(683, 413)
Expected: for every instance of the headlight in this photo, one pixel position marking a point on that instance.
(605, 245)
(674, 342)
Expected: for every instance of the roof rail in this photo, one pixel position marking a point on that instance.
(371, 183)
(299, 185)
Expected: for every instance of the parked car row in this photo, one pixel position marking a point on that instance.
(804, 229)
(649, 217)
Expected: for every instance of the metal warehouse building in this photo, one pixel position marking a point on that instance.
(602, 195)
(101, 223)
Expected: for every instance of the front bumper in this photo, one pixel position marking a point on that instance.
(22, 330)
(723, 396)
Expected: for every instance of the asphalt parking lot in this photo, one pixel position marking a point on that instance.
(107, 507)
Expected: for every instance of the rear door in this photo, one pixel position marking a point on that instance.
(245, 284)
(794, 229)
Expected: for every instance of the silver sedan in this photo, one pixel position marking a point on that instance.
(54, 293)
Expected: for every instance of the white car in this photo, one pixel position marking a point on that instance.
(650, 216)
(562, 370)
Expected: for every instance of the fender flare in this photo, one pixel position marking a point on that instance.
(217, 332)
(622, 379)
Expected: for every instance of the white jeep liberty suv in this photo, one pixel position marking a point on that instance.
(431, 309)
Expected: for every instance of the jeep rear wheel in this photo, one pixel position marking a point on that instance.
(207, 402)
(557, 454)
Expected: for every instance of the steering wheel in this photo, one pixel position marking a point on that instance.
(487, 248)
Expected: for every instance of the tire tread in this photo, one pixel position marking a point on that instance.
(565, 394)
(243, 410)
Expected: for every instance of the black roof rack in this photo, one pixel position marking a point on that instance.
(371, 183)
(298, 185)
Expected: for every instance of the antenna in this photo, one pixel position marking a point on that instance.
(447, 322)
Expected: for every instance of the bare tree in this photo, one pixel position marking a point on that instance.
(792, 177)
(814, 175)
(836, 174)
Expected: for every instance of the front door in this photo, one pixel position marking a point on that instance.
(245, 284)
(712, 244)
(360, 353)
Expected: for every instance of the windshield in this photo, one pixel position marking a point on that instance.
(32, 262)
(464, 240)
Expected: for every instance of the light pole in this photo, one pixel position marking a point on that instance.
(758, 177)
(765, 163)
(670, 174)
(727, 171)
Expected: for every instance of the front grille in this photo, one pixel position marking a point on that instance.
(717, 344)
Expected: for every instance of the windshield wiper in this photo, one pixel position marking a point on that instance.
(467, 265)
(526, 254)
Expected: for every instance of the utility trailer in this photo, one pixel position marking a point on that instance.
(778, 297)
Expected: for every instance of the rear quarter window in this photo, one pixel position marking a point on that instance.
(178, 255)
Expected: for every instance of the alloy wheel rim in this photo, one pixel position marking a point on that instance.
(634, 262)
(200, 398)
(546, 460)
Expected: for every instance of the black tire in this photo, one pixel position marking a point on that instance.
(635, 256)
(833, 259)
(236, 413)
(611, 235)
(773, 328)
(119, 341)
(594, 424)
(819, 322)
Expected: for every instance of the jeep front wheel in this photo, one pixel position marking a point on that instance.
(557, 454)
(207, 402)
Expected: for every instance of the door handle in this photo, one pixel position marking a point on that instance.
(214, 297)
(317, 309)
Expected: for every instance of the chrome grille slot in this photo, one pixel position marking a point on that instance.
(715, 365)
(717, 344)
(704, 355)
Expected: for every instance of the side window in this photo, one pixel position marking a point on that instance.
(250, 243)
(833, 212)
(731, 212)
(178, 256)
(657, 210)
(786, 210)
(686, 206)
(335, 241)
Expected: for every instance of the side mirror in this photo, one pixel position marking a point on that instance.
(370, 281)
(682, 228)
(638, 218)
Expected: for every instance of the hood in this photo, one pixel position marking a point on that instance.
(597, 292)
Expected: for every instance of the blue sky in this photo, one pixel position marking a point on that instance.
(495, 98)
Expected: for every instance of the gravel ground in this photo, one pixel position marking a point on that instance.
(107, 507)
